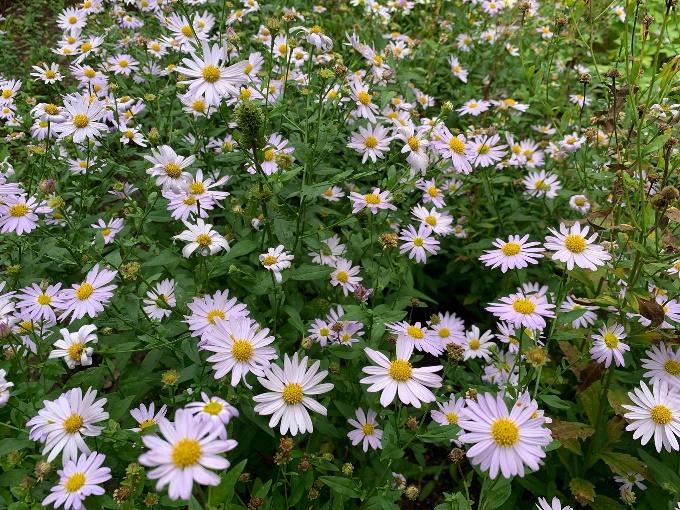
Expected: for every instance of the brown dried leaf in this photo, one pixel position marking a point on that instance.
(564, 430)
(651, 310)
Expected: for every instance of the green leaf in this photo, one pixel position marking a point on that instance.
(342, 486)
(440, 433)
(310, 272)
(224, 492)
(666, 477)
(554, 401)
(10, 445)
(622, 463)
(494, 493)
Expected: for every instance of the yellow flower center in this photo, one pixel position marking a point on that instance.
(660, 414)
(510, 249)
(505, 432)
(269, 260)
(123, 63)
(283, 49)
(342, 276)
(580, 201)
(80, 120)
(211, 73)
(292, 394)
(173, 170)
(610, 340)
(106, 231)
(186, 31)
(203, 240)
(75, 351)
(431, 220)
(149, 422)
(372, 198)
(242, 350)
(524, 306)
(198, 106)
(249, 67)
(672, 367)
(75, 482)
(415, 332)
(418, 241)
(49, 74)
(400, 370)
(324, 331)
(474, 344)
(452, 418)
(432, 191)
(214, 313)
(18, 210)
(367, 429)
(484, 149)
(186, 452)
(90, 73)
(268, 155)
(245, 93)
(371, 142)
(444, 332)
(6, 93)
(196, 188)
(44, 299)
(413, 143)
(84, 291)
(73, 423)
(214, 408)
(72, 20)
(575, 243)
(51, 109)
(364, 98)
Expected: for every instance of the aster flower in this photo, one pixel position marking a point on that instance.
(474, 107)
(515, 253)
(572, 247)
(89, 297)
(447, 328)
(454, 147)
(503, 441)
(431, 193)
(400, 377)
(585, 320)
(365, 108)
(184, 453)
(484, 150)
(108, 230)
(208, 77)
(168, 167)
(477, 345)
(654, 413)
(345, 275)
(522, 309)
(147, 416)
(19, 214)
(73, 346)
(449, 412)
(214, 410)
(662, 365)
(542, 184)
(276, 260)
(202, 237)
(290, 394)
(241, 346)
(330, 251)
(37, 303)
(579, 203)
(374, 201)
(77, 480)
(205, 310)
(372, 141)
(418, 243)
(439, 222)
(160, 300)
(607, 345)
(421, 337)
(5, 386)
(83, 118)
(62, 423)
(47, 73)
(631, 481)
(366, 430)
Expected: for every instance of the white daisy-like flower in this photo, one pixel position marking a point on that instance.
(73, 346)
(372, 141)
(541, 184)
(38, 303)
(62, 423)
(83, 119)
(77, 480)
(205, 310)
(215, 410)
(662, 365)
(208, 77)
(399, 377)
(168, 167)
(147, 416)
(345, 275)
(478, 345)
(574, 248)
(607, 345)
(276, 260)
(439, 222)
(241, 346)
(523, 309)
(374, 201)
(290, 394)
(201, 237)
(160, 300)
(503, 441)
(654, 413)
(555, 504)
(366, 430)
(421, 337)
(579, 203)
(447, 328)
(586, 320)
(418, 243)
(449, 412)
(87, 298)
(515, 253)
(188, 449)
